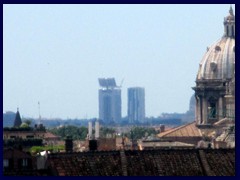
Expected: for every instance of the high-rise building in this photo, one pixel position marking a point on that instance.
(136, 104)
(110, 108)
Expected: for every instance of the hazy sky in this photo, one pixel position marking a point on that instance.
(56, 53)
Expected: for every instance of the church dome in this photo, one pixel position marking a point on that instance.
(219, 60)
(215, 78)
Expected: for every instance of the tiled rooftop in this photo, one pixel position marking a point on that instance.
(101, 163)
(164, 162)
(188, 130)
(159, 162)
(221, 162)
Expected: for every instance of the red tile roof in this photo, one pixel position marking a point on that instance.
(15, 153)
(188, 130)
(50, 135)
(164, 162)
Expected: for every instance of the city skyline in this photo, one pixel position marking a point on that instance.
(54, 54)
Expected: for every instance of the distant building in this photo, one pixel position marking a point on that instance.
(136, 104)
(148, 145)
(189, 116)
(187, 133)
(26, 136)
(95, 142)
(18, 120)
(18, 162)
(8, 119)
(110, 103)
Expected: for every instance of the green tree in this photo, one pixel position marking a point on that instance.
(28, 122)
(55, 148)
(105, 130)
(24, 125)
(140, 132)
(77, 133)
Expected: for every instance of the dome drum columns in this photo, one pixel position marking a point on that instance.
(209, 103)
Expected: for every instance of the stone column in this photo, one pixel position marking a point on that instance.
(230, 106)
(196, 110)
(220, 108)
(204, 111)
(200, 108)
(233, 107)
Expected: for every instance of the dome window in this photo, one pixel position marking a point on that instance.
(213, 66)
(217, 48)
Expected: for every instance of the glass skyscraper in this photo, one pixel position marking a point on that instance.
(110, 108)
(136, 105)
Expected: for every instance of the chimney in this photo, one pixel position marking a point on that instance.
(97, 129)
(162, 128)
(93, 145)
(90, 130)
(69, 144)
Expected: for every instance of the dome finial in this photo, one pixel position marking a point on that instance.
(231, 10)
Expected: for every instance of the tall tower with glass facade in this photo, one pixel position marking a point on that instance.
(110, 108)
(136, 104)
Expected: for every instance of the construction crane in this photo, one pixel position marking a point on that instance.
(121, 83)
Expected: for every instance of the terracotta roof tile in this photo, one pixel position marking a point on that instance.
(164, 162)
(188, 130)
(50, 135)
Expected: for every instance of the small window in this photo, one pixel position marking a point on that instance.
(213, 66)
(24, 162)
(5, 163)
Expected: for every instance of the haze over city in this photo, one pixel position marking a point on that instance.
(54, 54)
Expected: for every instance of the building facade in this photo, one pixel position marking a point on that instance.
(110, 103)
(136, 105)
(215, 82)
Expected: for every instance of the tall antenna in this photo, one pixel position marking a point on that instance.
(39, 113)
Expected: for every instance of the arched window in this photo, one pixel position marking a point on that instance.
(212, 111)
